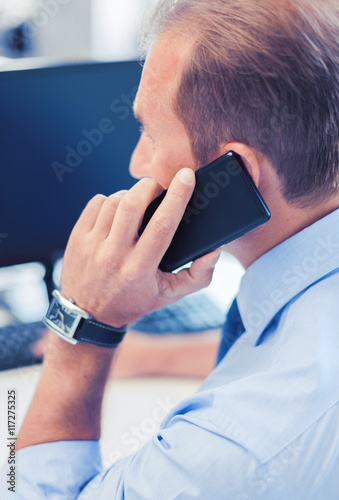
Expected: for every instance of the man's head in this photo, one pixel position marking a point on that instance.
(257, 76)
(264, 73)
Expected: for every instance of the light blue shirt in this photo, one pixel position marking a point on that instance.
(264, 424)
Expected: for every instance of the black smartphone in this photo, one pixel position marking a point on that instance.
(225, 204)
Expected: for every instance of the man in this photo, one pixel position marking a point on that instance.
(261, 79)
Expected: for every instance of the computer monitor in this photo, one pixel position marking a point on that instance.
(66, 134)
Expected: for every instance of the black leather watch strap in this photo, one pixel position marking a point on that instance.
(98, 333)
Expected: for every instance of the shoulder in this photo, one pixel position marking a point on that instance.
(313, 315)
(267, 394)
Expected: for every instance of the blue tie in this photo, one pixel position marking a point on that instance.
(231, 331)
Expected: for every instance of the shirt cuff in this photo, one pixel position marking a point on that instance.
(52, 470)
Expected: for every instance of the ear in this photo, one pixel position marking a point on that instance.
(249, 156)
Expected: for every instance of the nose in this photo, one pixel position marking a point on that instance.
(140, 163)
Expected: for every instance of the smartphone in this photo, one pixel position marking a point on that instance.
(225, 204)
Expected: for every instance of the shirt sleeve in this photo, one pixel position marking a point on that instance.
(51, 470)
(185, 460)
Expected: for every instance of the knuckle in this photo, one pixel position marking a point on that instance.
(118, 195)
(110, 264)
(111, 203)
(165, 288)
(134, 272)
(148, 183)
(207, 279)
(163, 225)
(202, 281)
(128, 205)
(178, 192)
(98, 199)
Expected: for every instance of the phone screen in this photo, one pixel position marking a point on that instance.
(225, 204)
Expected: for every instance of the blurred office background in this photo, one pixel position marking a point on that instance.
(62, 31)
(71, 29)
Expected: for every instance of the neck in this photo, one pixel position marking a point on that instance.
(286, 220)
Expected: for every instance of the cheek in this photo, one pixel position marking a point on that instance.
(160, 163)
(167, 163)
(164, 167)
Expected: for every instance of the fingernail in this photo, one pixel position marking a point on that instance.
(119, 194)
(186, 176)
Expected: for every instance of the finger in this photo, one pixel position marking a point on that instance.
(90, 213)
(131, 211)
(106, 215)
(198, 276)
(161, 228)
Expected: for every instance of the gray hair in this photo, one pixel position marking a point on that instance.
(264, 73)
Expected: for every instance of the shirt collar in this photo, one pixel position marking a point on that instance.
(285, 271)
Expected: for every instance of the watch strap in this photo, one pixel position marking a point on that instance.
(98, 333)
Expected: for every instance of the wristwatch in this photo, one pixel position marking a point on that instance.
(73, 324)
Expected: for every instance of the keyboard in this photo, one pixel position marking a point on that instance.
(194, 313)
(16, 343)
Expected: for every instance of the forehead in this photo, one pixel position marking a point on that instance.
(161, 76)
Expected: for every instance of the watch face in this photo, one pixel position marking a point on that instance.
(63, 318)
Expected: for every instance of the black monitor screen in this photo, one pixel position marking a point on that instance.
(66, 133)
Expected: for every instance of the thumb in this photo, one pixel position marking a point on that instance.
(187, 281)
(203, 268)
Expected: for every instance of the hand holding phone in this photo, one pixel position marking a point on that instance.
(225, 205)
